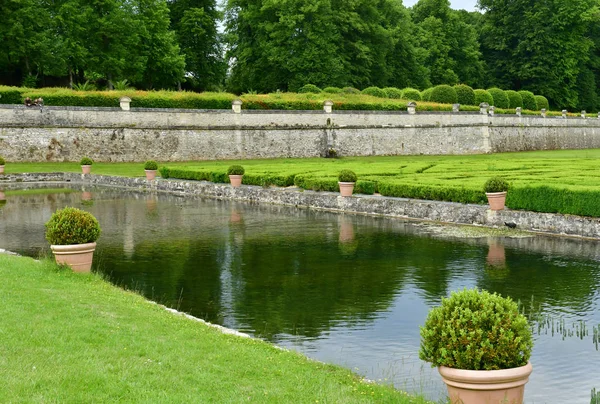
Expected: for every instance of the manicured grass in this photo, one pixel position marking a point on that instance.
(68, 337)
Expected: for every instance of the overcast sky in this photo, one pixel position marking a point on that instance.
(468, 5)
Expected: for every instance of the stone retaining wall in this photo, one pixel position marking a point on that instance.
(111, 134)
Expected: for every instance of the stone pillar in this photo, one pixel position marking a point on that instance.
(125, 101)
(455, 107)
(483, 107)
(412, 108)
(518, 111)
(564, 113)
(328, 106)
(583, 114)
(544, 112)
(492, 109)
(236, 106)
(598, 115)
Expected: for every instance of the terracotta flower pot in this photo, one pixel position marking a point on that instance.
(486, 386)
(346, 188)
(77, 256)
(1, 169)
(86, 169)
(86, 196)
(150, 174)
(496, 200)
(2, 196)
(236, 180)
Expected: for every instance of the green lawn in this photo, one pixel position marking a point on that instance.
(68, 337)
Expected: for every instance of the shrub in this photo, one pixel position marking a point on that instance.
(309, 88)
(365, 187)
(514, 99)
(10, 95)
(483, 96)
(411, 94)
(235, 170)
(444, 94)
(465, 95)
(426, 94)
(541, 102)
(582, 202)
(150, 165)
(2, 161)
(496, 184)
(86, 161)
(476, 330)
(375, 92)
(500, 98)
(393, 92)
(528, 100)
(431, 192)
(347, 176)
(72, 226)
(332, 90)
(350, 90)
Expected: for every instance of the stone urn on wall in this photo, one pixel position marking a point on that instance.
(346, 182)
(150, 167)
(495, 189)
(481, 344)
(86, 165)
(236, 174)
(2, 162)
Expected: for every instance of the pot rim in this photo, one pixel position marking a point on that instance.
(492, 194)
(503, 376)
(73, 248)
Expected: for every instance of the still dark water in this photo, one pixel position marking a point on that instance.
(344, 289)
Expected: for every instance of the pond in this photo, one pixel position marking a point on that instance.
(344, 289)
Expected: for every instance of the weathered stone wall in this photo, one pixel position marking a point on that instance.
(111, 134)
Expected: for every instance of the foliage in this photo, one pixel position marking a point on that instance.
(87, 86)
(495, 184)
(375, 92)
(2, 161)
(10, 95)
(332, 90)
(309, 88)
(499, 97)
(122, 85)
(150, 165)
(350, 90)
(514, 99)
(235, 170)
(444, 94)
(347, 176)
(86, 161)
(465, 94)
(541, 102)
(72, 226)
(476, 330)
(528, 100)
(426, 94)
(411, 94)
(393, 92)
(483, 96)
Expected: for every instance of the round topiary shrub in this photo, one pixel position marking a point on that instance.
(496, 184)
(350, 90)
(476, 330)
(393, 92)
(235, 170)
(2, 161)
(426, 94)
(528, 100)
(347, 176)
(411, 94)
(374, 91)
(332, 90)
(465, 94)
(150, 165)
(514, 99)
(86, 161)
(500, 98)
(541, 102)
(483, 96)
(72, 226)
(444, 94)
(309, 88)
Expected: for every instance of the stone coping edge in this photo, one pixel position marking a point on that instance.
(434, 211)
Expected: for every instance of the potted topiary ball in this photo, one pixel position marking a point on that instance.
(346, 181)
(481, 344)
(495, 190)
(86, 165)
(72, 234)
(2, 162)
(235, 174)
(150, 167)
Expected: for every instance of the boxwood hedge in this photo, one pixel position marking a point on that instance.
(528, 100)
(444, 94)
(483, 96)
(465, 94)
(500, 98)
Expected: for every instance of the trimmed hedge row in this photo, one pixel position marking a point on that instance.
(547, 199)
(10, 95)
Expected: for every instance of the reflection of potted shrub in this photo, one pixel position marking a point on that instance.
(150, 167)
(346, 179)
(72, 234)
(86, 165)
(2, 163)
(235, 174)
(495, 190)
(481, 345)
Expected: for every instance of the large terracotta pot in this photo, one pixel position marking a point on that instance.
(86, 169)
(346, 188)
(150, 174)
(505, 386)
(235, 180)
(77, 256)
(496, 200)
(1, 169)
